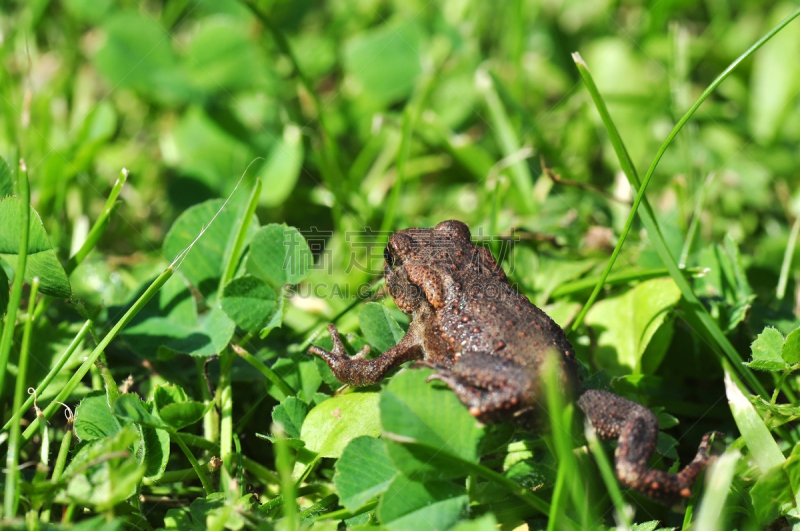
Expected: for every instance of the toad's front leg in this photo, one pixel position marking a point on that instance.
(358, 370)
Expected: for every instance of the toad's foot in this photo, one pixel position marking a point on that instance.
(338, 353)
(358, 370)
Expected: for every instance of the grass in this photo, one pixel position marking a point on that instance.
(195, 403)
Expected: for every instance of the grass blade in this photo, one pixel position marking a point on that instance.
(100, 225)
(60, 464)
(756, 435)
(267, 372)
(283, 464)
(95, 233)
(576, 286)
(233, 258)
(720, 477)
(561, 414)
(622, 511)
(557, 508)
(780, 291)
(174, 436)
(225, 396)
(11, 499)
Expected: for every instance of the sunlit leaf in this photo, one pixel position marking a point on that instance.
(627, 323)
(329, 427)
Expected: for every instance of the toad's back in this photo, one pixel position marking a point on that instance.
(483, 320)
(497, 319)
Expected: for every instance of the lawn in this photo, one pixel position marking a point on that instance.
(191, 191)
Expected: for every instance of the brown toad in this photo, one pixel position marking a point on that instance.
(487, 342)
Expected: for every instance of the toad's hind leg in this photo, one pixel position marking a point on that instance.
(493, 388)
(636, 429)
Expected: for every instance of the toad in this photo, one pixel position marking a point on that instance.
(487, 342)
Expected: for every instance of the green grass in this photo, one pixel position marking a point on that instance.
(175, 325)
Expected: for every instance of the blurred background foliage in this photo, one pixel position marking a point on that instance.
(187, 94)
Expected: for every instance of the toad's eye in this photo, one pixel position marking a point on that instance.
(388, 256)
